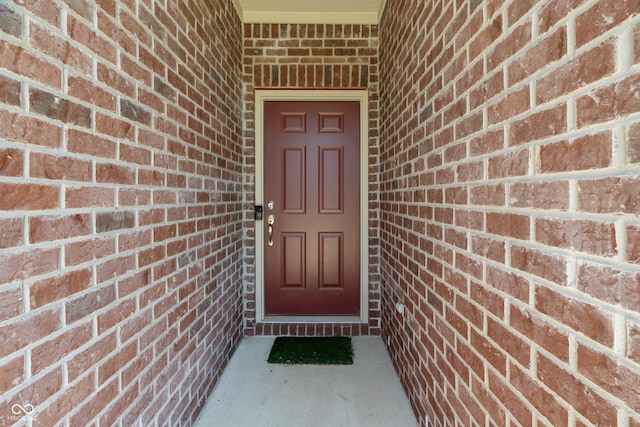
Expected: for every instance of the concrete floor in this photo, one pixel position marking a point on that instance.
(252, 392)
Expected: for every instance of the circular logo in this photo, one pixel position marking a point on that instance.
(18, 409)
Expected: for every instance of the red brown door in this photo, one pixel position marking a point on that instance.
(312, 199)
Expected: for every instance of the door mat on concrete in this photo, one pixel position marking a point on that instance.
(312, 351)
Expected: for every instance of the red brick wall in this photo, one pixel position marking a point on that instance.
(510, 206)
(120, 208)
(298, 56)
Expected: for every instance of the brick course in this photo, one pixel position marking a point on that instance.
(526, 115)
(119, 130)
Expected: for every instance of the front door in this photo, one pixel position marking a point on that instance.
(312, 207)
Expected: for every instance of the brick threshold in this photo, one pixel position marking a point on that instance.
(313, 326)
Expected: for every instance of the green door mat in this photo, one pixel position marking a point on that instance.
(312, 351)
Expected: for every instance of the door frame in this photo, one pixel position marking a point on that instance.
(361, 96)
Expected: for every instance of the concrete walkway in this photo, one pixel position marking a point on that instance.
(253, 393)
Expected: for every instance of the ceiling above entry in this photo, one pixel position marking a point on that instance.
(310, 11)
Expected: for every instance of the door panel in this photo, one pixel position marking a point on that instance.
(293, 260)
(295, 176)
(331, 260)
(331, 179)
(312, 176)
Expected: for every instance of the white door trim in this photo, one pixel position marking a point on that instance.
(313, 95)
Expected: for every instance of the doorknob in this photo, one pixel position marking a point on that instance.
(270, 221)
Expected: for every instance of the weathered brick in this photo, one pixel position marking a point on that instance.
(511, 164)
(87, 143)
(529, 323)
(508, 225)
(82, 197)
(605, 103)
(515, 346)
(608, 373)
(67, 402)
(539, 195)
(540, 398)
(44, 229)
(488, 195)
(602, 16)
(589, 152)
(52, 351)
(91, 93)
(11, 232)
(633, 143)
(54, 107)
(489, 248)
(116, 315)
(110, 269)
(58, 288)
(543, 53)
(82, 34)
(511, 105)
(610, 285)
(584, 399)
(544, 265)
(116, 128)
(110, 221)
(488, 351)
(554, 11)
(633, 244)
(10, 303)
(82, 8)
(15, 127)
(88, 250)
(135, 154)
(113, 79)
(115, 363)
(38, 392)
(510, 283)
(59, 168)
(587, 68)
(23, 265)
(80, 363)
(580, 235)
(579, 316)
(135, 112)
(91, 408)
(540, 125)
(610, 195)
(507, 396)
(633, 341)
(164, 89)
(109, 173)
(19, 334)
(12, 372)
(11, 162)
(58, 47)
(10, 21)
(10, 90)
(509, 46)
(89, 303)
(28, 197)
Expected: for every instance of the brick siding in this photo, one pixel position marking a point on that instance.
(120, 208)
(311, 56)
(510, 209)
(504, 153)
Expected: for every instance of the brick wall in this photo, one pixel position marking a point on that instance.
(298, 56)
(510, 209)
(120, 208)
